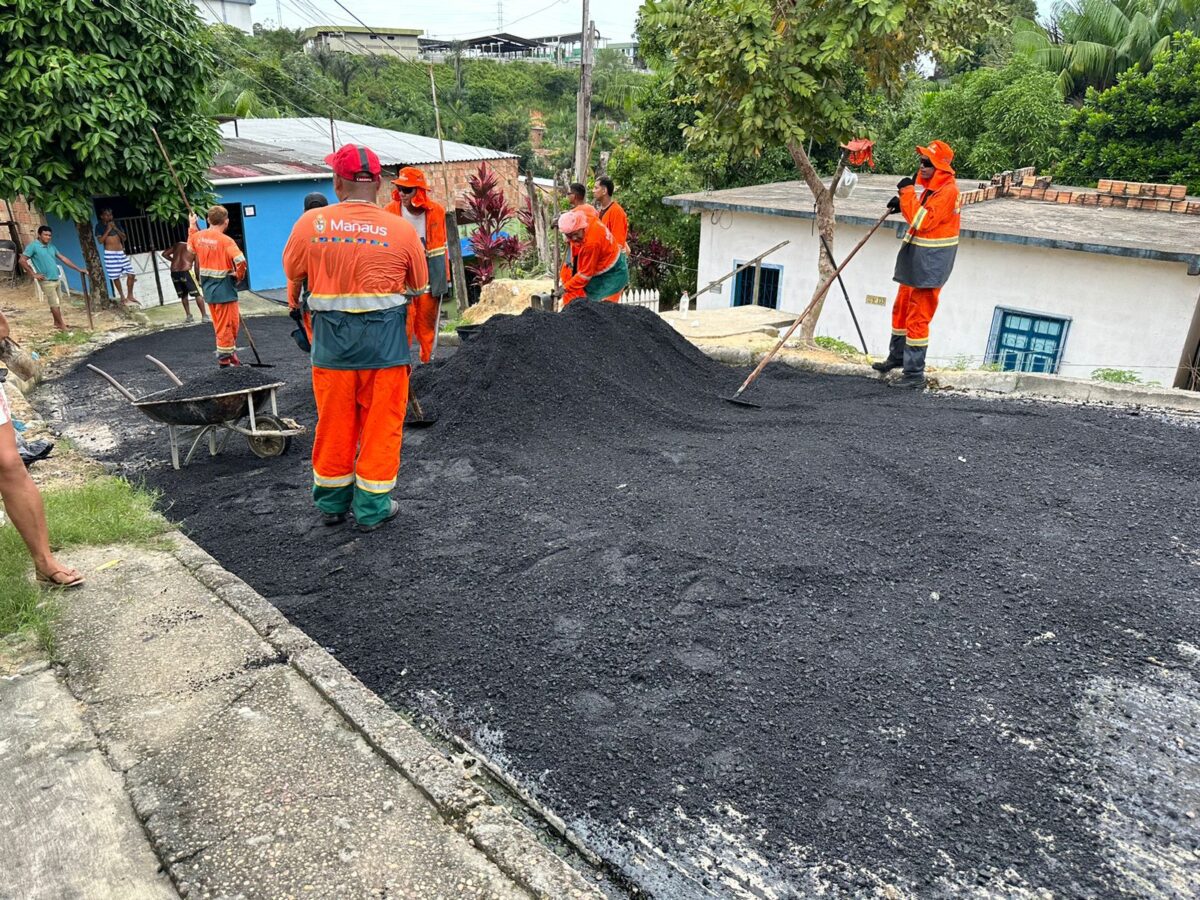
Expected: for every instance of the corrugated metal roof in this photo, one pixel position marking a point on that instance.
(240, 159)
(308, 140)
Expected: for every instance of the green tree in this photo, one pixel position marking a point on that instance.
(82, 85)
(1145, 128)
(1090, 42)
(765, 75)
(995, 119)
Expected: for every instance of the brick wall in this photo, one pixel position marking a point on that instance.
(27, 216)
(459, 174)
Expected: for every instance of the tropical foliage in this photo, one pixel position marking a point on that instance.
(489, 211)
(1146, 127)
(995, 119)
(83, 84)
(1088, 43)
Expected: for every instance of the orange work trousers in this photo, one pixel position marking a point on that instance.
(912, 312)
(226, 319)
(423, 322)
(356, 449)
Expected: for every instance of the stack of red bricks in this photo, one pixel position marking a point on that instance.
(1119, 194)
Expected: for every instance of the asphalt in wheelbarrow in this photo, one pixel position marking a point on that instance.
(211, 384)
(858, 637)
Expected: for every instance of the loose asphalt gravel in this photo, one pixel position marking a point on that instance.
(857, 641)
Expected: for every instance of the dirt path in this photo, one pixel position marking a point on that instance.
(860, 639)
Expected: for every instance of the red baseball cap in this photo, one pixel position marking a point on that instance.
(355, 163)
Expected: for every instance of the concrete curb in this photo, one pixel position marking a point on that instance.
(1023, 385)
(513, 848)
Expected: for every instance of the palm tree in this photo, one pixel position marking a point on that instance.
(1090, 42)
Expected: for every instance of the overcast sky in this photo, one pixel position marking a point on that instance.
(466, 18)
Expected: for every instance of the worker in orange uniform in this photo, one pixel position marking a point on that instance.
(222, 265)
(577, 200)
(600, 270)
(610, 212)
(924, 262)
(411, 201)
(362, 265)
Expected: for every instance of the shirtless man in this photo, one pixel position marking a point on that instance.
(183, 276)
(116, 261)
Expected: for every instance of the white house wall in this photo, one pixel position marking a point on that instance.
(1125, 313)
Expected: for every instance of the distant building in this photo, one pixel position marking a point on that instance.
(235, 13)
(561, 49)
(1047, 279)
(364, 41)
(630, 51)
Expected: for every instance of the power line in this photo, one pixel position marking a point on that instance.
(216, 59)
(512, 22)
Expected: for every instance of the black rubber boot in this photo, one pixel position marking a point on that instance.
(895, 357)
(914, 369)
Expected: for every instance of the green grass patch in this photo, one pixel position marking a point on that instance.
(72, 337)
(835, 345)
(1116, 376)
(106, 510)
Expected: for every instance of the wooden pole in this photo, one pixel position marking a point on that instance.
(583, 102)
(557, 245)
(817, 298)
(453, 245)
(167, 158)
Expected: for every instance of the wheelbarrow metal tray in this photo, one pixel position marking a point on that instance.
(210, 410)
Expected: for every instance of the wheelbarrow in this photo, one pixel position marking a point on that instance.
(216, 417)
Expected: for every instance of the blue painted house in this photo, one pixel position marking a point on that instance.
(262, 174)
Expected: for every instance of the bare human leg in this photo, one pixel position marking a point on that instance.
(23, 503)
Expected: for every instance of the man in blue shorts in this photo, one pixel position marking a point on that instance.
(116, 261)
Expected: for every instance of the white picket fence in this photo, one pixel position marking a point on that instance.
(642, 297)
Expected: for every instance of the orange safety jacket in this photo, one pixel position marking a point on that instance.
(568, 268)
(595, 255)
(926, 257)
(221, 261)
(362, 265)
(436, 256)
(614, 219)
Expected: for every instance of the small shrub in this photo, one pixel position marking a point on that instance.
(1116, 376)
(835, 345)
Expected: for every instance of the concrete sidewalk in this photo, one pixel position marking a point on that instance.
(248, 780)
(66, 827)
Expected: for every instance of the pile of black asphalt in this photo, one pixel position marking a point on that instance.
(840, 640)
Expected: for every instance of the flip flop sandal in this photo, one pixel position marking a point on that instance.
(52, 579)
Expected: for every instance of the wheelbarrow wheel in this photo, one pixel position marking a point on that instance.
(267, 446)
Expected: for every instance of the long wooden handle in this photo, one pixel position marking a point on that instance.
(167, 159)
(820, 295)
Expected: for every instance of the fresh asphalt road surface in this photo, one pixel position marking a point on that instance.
(857, 638)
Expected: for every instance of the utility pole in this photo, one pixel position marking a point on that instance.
(499, 15)
(583, 105)
(278, 13)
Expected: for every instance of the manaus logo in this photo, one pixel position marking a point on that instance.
(319, 224)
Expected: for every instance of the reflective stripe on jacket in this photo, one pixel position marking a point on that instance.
(931, 241)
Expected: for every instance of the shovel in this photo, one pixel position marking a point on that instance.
(736, 397)
(258, 363)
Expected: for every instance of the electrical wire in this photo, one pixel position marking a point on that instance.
(192, 46)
